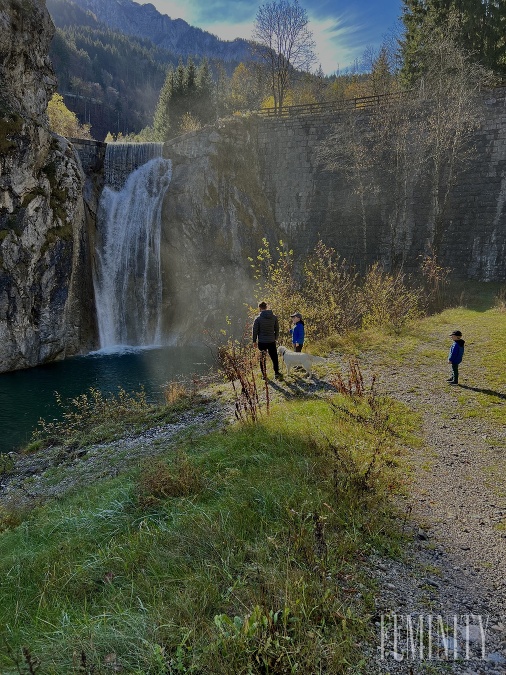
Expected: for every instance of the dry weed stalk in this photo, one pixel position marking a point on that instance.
(174, 391)
(238, 362)
(353, 384)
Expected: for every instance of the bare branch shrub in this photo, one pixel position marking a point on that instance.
(435, 278)
(500, 299)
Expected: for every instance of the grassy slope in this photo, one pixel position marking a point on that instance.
(247, 548)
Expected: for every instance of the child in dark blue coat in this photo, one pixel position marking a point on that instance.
(297, 332)
(455, 355)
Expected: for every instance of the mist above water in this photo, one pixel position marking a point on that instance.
(128, 279)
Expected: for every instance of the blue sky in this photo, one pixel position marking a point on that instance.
(343, 29)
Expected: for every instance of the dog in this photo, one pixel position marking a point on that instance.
(291, 359)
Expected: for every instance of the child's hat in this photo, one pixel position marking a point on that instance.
(457, 333)
(297, 314)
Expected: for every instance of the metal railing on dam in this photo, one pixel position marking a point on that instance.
(359, 103)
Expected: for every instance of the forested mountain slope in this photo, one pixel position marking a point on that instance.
(111, 58)
(145, 21)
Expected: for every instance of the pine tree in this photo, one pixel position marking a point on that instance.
(478, 26)
(179, 99)
(206, 94)
(381, 77)
(161, 119)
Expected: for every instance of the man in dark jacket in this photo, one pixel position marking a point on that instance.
(266, 332)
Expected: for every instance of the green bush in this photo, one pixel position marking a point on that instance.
(386, 300)
(331, 295)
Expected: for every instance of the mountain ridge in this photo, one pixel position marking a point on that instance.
(175, 35)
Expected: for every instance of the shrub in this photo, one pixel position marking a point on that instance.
(238, 361)
(331, 296)
(189, 123)
(276, 282)
(329, 293)
(387, 301)
(500, 299)
(89, 411)
(173, 392)
(435, 279)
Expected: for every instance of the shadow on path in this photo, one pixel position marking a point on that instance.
(489, 392)
(297, 387)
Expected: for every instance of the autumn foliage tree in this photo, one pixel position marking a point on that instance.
(63, 121)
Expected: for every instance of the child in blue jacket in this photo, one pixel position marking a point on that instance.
(297, 332)
(455, 355)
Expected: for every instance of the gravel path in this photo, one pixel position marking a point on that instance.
(456, 503)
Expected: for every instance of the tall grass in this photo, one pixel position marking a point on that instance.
(241, 553)
(93, 416)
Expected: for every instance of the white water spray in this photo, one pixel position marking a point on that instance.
(128, 279)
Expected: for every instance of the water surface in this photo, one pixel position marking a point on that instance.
(28, 395)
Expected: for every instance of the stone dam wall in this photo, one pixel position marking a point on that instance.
(248, 178)
(305, 201)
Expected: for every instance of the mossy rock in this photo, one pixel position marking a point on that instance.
(30, 196)
(11, 124)
(12, 222)
(62, 234)
(51, 170)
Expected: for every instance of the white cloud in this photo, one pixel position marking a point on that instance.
(332, 44)
(337, 38)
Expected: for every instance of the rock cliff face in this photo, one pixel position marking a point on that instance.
(251, 178)
(215, 217)
(45, 268)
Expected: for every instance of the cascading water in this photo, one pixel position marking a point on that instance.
(128, 280)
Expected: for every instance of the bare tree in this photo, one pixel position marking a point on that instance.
(416, 143)
(449, 91)
(284, 42)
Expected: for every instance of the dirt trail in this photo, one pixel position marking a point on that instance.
(457, 506)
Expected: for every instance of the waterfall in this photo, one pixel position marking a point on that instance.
(127, 279)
